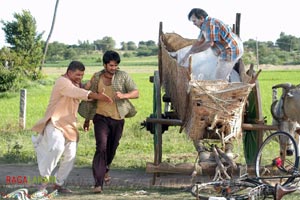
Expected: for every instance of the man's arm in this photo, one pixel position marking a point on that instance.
(100, 96)
(198, 46)
(130, 95)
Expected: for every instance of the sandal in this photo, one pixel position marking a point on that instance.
(97, 189)
(107, 179)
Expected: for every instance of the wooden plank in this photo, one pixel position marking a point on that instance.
(260, 127)
(184, 168)
(203, 168)
(173, 122)
(259, 114)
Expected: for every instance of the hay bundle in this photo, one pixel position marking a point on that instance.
(173, 42)
(216, 109)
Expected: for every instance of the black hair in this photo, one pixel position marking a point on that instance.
(198, 12)
(76, 65)
(111, 55)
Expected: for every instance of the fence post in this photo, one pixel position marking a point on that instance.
(22, 115)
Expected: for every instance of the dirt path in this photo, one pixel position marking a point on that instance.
(125, 184)
(82, 176)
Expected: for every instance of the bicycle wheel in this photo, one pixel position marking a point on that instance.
(273, 164)
(225, 189)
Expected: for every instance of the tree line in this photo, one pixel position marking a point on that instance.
(25, 53)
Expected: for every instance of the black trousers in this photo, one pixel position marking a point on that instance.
(108, 133)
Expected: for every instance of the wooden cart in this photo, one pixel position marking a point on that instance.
(178, 108)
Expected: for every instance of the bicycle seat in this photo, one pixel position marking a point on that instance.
(280, 191)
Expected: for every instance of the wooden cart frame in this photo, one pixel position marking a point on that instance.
(159, 121)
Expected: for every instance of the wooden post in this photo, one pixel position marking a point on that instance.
(22, 115)
(238, 23)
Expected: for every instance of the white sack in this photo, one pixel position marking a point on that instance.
(203, 63)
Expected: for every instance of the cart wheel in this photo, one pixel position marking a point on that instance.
(158, 126)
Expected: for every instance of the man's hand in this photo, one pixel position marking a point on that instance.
(120, 95)
(100, 96)
(105, 97)
(86, 125)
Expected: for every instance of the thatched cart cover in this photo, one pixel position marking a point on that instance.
(209, 109)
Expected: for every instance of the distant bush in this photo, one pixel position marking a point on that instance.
(7, 79)
(129, 54)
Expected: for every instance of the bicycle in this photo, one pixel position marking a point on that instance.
(280, 167)
(275, 175)
(276, 164)
(239, 189)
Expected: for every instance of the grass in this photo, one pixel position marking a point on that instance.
(134, 138)
(93, 60)
(136, 146)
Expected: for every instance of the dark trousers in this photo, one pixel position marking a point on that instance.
(108, 133)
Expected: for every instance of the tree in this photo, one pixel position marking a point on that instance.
(131, 46)
(283, 42)
(124, 46)
(107, 43)
(56, 51)
(86, 46)
(250, 44)
(70, 54)
(25, 42)
(49, 36)
(148, 48)
(8, 57)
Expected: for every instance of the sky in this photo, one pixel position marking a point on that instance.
(138, 20)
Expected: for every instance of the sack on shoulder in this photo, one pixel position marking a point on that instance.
(131, 111)
(87, 109)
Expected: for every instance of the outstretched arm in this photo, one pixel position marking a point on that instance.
(100, 96)
(198, 46)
